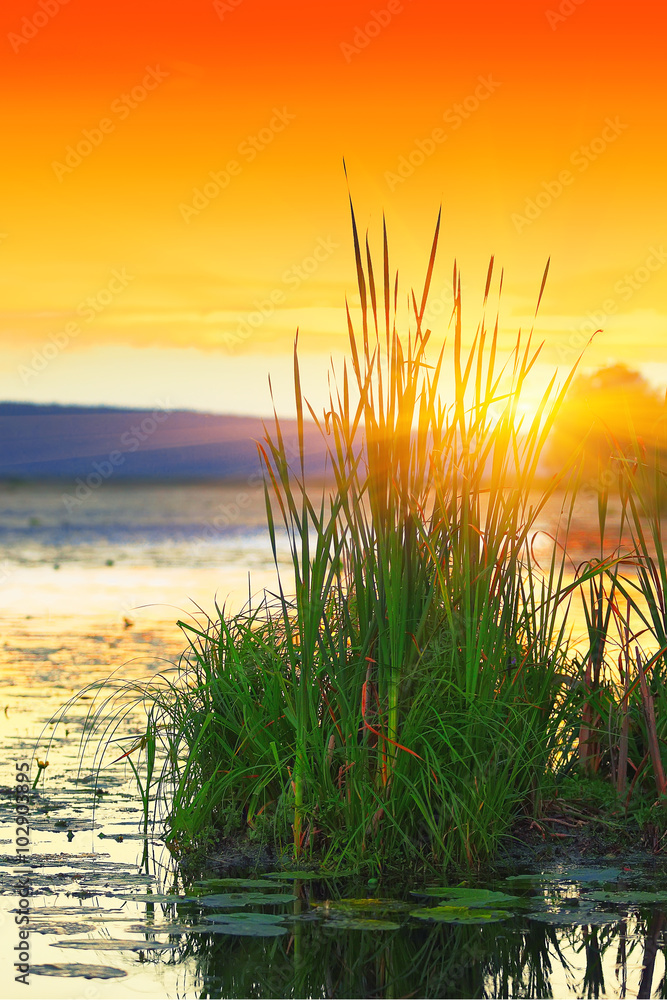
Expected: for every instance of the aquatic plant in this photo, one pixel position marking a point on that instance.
(411, 687)
(625, 706)
(404, 692)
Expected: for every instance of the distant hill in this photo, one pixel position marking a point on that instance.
(64, 442)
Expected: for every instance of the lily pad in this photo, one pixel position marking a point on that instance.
(355, 905)
(251, 929)
(128, 836)
(309, 917)
(154, 897)
(629, 897)
(231, 899)
(304, 876)
(238, 883)
(371, 904)
(601, 875)
(71, 860)
(460, 915)
(361, 924)
(173, 928)
(244, 898)
(106, 944)
(64, 911)
(246, 917)
(77, 970)
(484, 898)
(59, 927)
(574, 918)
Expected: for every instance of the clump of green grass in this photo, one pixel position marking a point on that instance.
(404, 693)
(411, 687)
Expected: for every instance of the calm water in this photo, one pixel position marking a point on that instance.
(97, 589)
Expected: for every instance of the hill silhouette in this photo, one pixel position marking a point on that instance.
(64, 442)
(603, 413)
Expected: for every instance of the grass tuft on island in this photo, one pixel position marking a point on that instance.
(411, 691)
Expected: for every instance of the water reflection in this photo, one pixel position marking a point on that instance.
(520, 958)
(102, 573)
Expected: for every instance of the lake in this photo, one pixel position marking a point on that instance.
(93, 590)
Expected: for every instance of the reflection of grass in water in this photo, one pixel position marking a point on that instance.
(422, 960)
(430, 961)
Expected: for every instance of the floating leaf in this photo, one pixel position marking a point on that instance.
(172, 928)
(106, 944)
(238, 883)
(12, 886)
(271, 897)
(78, 861)
(116, 916)
(575, 918)
(64, 911)
(119, 881)
(364, 904)
(153, 897)
(460, 915)
(127, 836)
(577, 875)
(631, 896)
(246, 928)
(76, 969)
(355, 905)
(303, 875)
(469, 897)
(311, 916)
(244, 898)
(59, 927)
(245, 917)
(361, 924)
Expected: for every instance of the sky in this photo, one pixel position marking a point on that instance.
(174, 203)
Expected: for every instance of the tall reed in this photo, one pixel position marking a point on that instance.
(411, 686)
(641, 704)
(403, 693)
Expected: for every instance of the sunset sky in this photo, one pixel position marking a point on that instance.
(174, 203)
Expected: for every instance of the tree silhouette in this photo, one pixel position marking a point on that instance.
(604, 413)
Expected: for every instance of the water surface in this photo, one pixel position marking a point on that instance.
(96, 590)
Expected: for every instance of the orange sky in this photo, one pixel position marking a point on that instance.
(485, 107)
